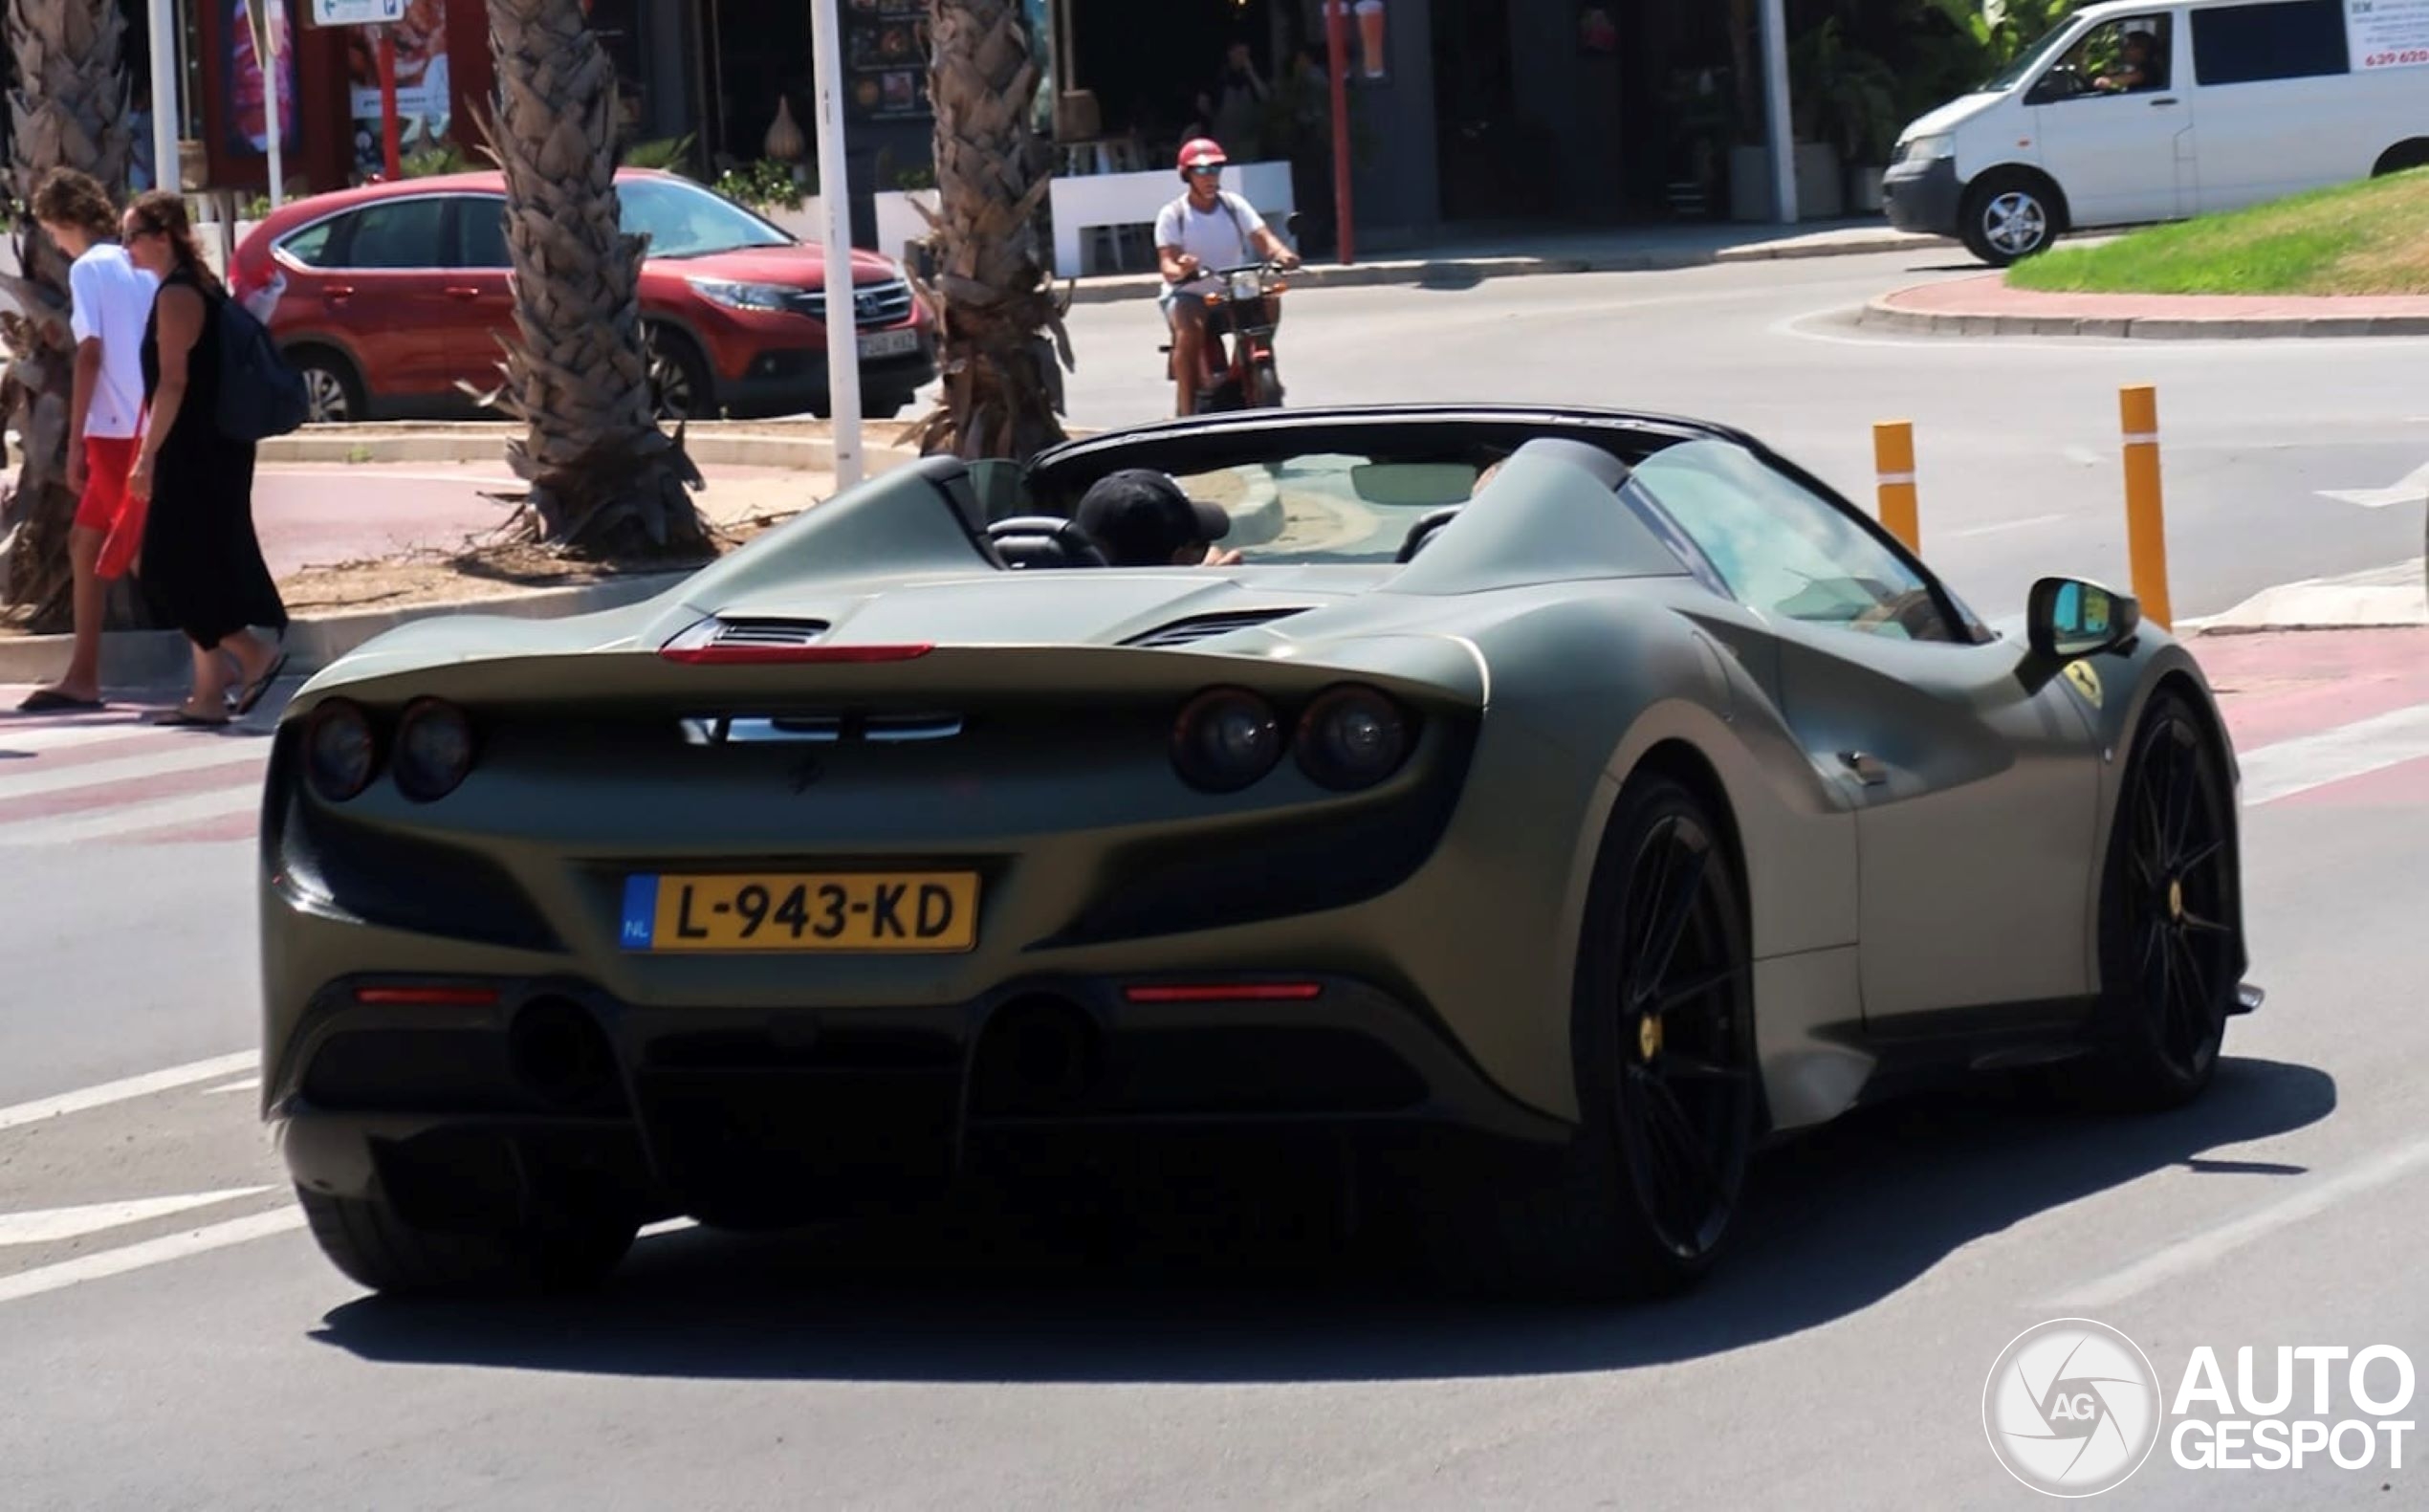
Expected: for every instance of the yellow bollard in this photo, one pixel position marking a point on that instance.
(1894, 458)
(2146, 519)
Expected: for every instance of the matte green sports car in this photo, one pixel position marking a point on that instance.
(1586, 797)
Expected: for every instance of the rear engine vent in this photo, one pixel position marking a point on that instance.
(768, 632)
(1205, 626)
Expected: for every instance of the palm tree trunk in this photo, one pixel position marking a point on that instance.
(605, 479)
(68, 110)
(1001, 326)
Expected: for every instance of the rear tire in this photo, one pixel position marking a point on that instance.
(1642, 1201)
(2402, 157)
(332, 391)
(371, 1244)
(2171, 950)
(1266, 386)
(2009, 215)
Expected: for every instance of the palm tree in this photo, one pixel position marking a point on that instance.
(68, 110)
(1003, 327)
(605, 480)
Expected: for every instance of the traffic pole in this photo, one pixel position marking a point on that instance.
(1337, 64)
(835, 197)
(2145, 517)
(1893, 460)
(391, 158)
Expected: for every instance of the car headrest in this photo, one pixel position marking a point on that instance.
(1044, 541)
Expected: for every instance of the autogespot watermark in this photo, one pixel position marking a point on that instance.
(2073, 1408)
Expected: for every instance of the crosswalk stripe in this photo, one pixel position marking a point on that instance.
(40, 738)
(207, 752)
(161, 813)
(2306, 762)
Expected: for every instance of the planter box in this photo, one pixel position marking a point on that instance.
(1820, 184)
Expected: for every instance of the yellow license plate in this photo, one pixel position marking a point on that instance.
(851, 911)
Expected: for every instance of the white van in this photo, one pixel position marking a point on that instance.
(2127, 113)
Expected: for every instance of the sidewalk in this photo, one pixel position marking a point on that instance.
(1635, 248)
(1986, 306)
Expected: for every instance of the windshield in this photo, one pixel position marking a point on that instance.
(684, 220)
(2029, 62)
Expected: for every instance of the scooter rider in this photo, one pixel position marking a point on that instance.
(1205, 228)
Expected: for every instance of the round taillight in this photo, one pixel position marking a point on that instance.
(1226, 739)
(1351, 737)
(434, 749)
(340, 752)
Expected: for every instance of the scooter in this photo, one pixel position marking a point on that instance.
(1237, 369)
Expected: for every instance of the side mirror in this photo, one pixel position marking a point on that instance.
(2070, 618)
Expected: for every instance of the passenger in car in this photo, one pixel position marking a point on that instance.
(1139, 518)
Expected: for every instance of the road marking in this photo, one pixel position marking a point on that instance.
(2208, 1248)
(2410, 489)
(51, 1225)
(60, 736)
(151, 1252)
(43, 779)
(2028, 522)
(66, 829)
(251, 1084)
(129, 1088)
(2306, 762)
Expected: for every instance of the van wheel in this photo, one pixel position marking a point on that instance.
(2402, 157)
(2010, 216)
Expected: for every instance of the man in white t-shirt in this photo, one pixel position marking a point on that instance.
(1205, 228)
(112, 305)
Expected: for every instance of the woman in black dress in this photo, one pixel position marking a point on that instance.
(201, 565)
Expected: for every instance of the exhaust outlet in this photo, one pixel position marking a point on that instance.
(560, 1054)
(1039, 1054)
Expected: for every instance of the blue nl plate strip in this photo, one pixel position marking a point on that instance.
(640, 911)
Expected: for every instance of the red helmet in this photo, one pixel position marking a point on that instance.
(1200, 152)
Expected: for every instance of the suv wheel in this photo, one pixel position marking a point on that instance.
(2009, 217)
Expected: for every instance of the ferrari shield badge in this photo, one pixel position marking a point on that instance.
(2087, 680)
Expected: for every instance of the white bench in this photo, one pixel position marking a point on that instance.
(1084, 201)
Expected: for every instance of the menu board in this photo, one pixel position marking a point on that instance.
(886, 59)
(2388, 33)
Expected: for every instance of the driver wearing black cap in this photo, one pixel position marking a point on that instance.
(1139, 518)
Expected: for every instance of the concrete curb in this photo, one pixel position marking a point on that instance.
(1460, 273)
(1881, 312)
(153, 658)
(1259, 518)
(2376, 600)
(410, 441)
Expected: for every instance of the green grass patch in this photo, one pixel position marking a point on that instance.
(2370, 237)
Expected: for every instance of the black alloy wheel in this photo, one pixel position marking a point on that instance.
(1640, 1202)
(2172, 949)
(1685, 1094)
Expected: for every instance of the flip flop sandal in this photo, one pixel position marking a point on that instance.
(254, 690)
(183, 720)
(48, 701)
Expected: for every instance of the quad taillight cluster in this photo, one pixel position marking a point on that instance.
(428, 750)
(1347, 738)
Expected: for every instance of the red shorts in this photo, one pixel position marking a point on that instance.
(104, 506)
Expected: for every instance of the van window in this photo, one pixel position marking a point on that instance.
(2249, 44)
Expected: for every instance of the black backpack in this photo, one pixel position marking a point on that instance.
(259, 395)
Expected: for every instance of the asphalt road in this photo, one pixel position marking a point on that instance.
(169, 1337)
(2018, 439)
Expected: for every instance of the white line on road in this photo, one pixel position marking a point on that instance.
(251, 1084)
(51, 1225)
(2299, 765)
(2028, 522)
(2204, 1249)
(129, 1088)
(41, 780)
(151, 1252)
(39, 738)
(157, 813)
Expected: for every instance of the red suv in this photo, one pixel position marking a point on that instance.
(398, 291)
